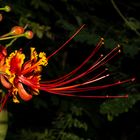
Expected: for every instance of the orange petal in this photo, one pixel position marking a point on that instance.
(23, 94)
(4, 82)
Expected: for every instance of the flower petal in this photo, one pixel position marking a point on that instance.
(15, 61)
(4, 82)
(22, 93)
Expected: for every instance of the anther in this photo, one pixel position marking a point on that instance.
(118, 46)
(119, 51)
(106, 69)
(102, 39)
(106, 96)
(107, 75)
(133, 79)
(119, 82)
(101, 55)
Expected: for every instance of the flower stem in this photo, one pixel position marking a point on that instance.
(11, 42)
(3, 124)
(3, 119)
(126, 21)
(11, 37)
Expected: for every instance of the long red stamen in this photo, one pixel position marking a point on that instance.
(97, 64)
(92, 97)
(67, 41)
(76, 88)
(79, 67)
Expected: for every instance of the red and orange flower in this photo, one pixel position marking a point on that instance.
(19, 73)
(23, 78)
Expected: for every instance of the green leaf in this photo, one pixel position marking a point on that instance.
(114, 107)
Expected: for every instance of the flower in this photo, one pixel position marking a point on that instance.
(5, 78)
(23, 78)
(28, 73)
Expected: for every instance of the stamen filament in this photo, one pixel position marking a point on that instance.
(80, 66)
(67, 41)
(92, 97)
(82, 89)
(98, 64)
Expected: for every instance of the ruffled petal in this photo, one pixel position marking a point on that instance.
(15, 62)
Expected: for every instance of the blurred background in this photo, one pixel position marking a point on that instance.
(51, 117)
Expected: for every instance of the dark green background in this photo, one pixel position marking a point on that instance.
(50, 117)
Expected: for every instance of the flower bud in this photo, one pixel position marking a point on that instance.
(29, 34)
(17, 30)
(7, 8)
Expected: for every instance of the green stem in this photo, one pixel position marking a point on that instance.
(3, 124)
(9, 44)
(62, 130)
(11, 37)
(2, 8)
(126, 21)
(5, 35)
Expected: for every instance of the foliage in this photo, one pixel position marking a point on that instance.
(61, 128)
(116, 106)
